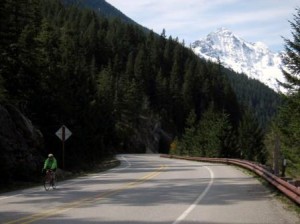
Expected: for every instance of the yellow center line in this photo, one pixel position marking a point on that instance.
(85, 201)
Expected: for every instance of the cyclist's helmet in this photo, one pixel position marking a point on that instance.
(50, 155)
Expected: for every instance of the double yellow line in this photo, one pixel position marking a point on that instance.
(85, 201)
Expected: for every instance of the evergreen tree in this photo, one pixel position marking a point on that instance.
(188, 144)
(2, 90)
(189, 88)
(292, 56)
(288, 120)
(17, 50)
(251, 139)
(140, 67)
(162, 87)
(211, 132)
(130, 66)
(211, 136)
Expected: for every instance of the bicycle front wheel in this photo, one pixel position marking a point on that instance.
(47, 183)
(53, 183)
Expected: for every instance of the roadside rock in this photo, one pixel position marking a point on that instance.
(149, 137)
(20, 145)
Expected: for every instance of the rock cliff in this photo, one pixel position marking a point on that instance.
(20, 146)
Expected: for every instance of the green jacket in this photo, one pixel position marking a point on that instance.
(50, 164)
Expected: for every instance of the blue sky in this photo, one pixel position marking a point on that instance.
(190, 20)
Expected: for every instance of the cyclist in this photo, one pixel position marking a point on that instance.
(50, 164)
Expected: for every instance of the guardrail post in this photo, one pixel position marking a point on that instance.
(276, 156)
(284, 163)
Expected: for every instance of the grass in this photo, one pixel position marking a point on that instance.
(278, 195)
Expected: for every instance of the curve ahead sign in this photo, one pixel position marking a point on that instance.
(63, 133)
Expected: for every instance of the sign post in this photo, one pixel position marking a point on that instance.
(63, 134)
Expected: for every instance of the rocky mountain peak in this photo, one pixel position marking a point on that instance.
(253, 59)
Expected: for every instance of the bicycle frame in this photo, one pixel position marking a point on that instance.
(49, 180)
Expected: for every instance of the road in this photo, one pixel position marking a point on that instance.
(153, 190)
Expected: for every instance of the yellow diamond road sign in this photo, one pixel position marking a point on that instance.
(63, 133)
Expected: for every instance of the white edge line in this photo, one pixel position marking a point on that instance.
(201, 196)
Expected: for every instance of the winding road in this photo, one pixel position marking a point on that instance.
(154, 190)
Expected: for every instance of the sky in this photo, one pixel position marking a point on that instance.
(264, 21)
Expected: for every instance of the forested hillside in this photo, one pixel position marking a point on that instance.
(116, 87)
(100, 77)
(260, 99)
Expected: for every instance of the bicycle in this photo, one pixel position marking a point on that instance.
(49, 180)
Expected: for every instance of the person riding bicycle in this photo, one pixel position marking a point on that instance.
(50, 164)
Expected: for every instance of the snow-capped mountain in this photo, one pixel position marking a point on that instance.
(253, 59)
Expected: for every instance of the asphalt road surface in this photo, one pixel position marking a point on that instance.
(150, 189)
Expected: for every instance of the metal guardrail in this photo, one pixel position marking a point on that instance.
(286, 188)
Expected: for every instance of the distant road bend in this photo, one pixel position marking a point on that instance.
(153, 190)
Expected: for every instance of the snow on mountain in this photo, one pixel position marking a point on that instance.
(253, 59)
